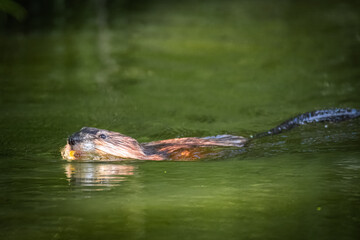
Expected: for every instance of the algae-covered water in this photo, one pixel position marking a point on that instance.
(162, 69)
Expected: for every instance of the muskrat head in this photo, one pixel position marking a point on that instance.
(97, 144)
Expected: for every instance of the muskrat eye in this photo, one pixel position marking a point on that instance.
(103, 136)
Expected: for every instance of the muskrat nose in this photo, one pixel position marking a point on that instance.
(73, 140)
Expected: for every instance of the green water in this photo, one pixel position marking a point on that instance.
(162, 69)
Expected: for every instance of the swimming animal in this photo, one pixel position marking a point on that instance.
(99, 144)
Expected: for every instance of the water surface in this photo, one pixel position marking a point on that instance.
(158, 70)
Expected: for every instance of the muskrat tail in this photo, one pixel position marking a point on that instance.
(329, 115)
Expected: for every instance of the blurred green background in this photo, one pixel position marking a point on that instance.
(155, 69)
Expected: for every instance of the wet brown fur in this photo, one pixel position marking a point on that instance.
(88, 143)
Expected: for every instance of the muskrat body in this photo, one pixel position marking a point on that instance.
(100, 144)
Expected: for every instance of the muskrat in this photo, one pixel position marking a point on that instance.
(100, 144)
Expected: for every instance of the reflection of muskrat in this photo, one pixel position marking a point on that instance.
(99, 144)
